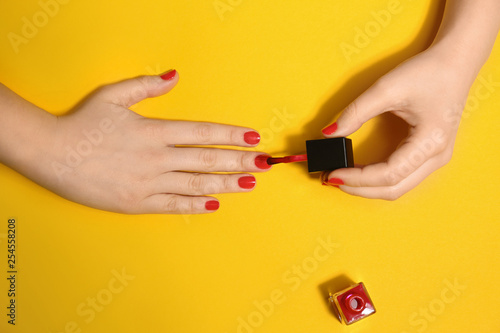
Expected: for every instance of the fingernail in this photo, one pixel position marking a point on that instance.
(261, 162)
(212, 205)
(252, 137)
(168, 75)
(247, 182)
(335, 181)
(326, 182)
(330, 129)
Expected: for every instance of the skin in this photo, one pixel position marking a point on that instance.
(429, 92)
(133, 166)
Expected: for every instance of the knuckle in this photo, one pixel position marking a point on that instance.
(196, 183)
(190, 206)
(204, 132)
(395, 175)
(352, 110)
(446, 157)
(395, 179)
(234, 136)
(141, 89)
(171, 204)
(240, 162)
(392, 194)
(227, 184)
(442, 148)
(353, 113)
(208, 158)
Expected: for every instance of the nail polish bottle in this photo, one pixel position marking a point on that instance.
(352, 304)
(329, 154)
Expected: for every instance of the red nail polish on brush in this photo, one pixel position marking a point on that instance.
(261, 162)
(212, 205)
(325, 154)
(169, 75)
(329, 130)
(252, 138)
(247, 182)
(287, 159)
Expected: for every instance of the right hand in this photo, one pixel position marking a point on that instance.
(429, 93)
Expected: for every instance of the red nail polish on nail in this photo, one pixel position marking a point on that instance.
(212, 205)
(335, 181)
(330, 129)
(328, 184)
(261, 162)
(247, 182)
(169, 75)
(252, 138)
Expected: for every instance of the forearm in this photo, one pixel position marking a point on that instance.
(467, 34)
(25, 132)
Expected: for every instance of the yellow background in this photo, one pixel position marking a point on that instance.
(201, 273)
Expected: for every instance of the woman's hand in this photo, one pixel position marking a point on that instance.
(429, 93)
(104, 155)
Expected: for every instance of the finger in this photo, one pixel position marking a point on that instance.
(396, 191)
(371, 103)
(216, 160)
(186, 183)
(178, 204)
(129, 92)
(417, 150)
(197, 133)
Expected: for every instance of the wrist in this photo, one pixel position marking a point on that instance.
(462, 64)
(466, 35)
(26, 134)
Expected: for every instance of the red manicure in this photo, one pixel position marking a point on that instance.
(329, 130)
(169, 75)
(261, 162)
(324, 180)
(212, 205)
(252, 138)
(247, 182)
(335, 181)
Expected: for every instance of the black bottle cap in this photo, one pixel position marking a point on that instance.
(329, 154)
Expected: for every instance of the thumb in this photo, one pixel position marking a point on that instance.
(129, 92)
(370, 104)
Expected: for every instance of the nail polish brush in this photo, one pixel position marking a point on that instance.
(322, 155)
